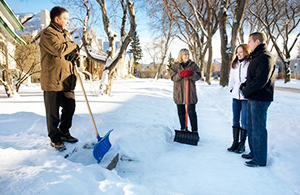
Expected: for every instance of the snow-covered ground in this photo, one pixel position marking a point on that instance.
(143, 116)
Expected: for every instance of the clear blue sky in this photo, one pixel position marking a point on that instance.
(29, 6)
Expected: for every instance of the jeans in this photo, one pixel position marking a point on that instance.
(192, 115)
(257, 130)
(239, 110)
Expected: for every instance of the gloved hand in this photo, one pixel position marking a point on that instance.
(72, 55)
(186, 73)
(242, 85)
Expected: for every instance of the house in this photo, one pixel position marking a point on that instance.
(9, 23)
(295, 69)
(150, 70)
(216, 68)
(90, 67)
(125, 66)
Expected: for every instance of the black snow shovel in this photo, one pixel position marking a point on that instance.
(103, 144)
(185, 136)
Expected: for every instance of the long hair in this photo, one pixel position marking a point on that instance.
(246, 52)
(181, 53)
(57, 12)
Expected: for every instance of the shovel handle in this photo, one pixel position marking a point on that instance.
(187, 103)
(86, 100)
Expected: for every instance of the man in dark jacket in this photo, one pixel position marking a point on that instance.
(58, 78)
(259, 90)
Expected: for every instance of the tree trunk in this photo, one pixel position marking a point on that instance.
(112, 62)
(227, 52)
(287, 71)
(287, 63)
(209, 46)
(7, 88)
(224, 41)
(209, 62)
(111, 76)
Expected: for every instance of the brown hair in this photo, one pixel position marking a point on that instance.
(57, 12)
(181, 53)
(246, 52)
(258, 35)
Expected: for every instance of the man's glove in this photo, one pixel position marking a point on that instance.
(242, 86)
(186, 73)
(72, 55)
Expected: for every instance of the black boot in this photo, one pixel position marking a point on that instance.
(68, 138)
(235, 143)
(241, 147)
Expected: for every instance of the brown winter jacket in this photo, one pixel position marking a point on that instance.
(179, 87)
(57, 73)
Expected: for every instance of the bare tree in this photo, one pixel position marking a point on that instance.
(166, 35)
(237, 11)
(161, 26)
(113, 56)
(28, 62)
(153, 48)
(202, 20)
(196, 42)
(279, 19)
(208, 23)
(167, 20)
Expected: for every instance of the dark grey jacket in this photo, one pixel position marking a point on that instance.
(260, 81)
(179, 87)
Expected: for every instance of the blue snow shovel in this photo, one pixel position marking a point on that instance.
(103, 144)
(102, 147)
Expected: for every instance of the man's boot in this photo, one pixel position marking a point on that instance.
(68, 138)
(241, 147)
(235, 143)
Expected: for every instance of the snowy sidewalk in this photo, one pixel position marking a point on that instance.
(207, 168)
(143, 116)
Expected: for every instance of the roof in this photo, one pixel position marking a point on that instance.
(10, 22)
(31, 27)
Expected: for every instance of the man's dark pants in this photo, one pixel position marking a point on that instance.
(53, 100)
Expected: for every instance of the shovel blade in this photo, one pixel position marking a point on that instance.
(186, 137)
(102, 147)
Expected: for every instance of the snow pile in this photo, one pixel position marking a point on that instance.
(143, 116)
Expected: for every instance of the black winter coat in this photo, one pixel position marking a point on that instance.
(260, 81)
